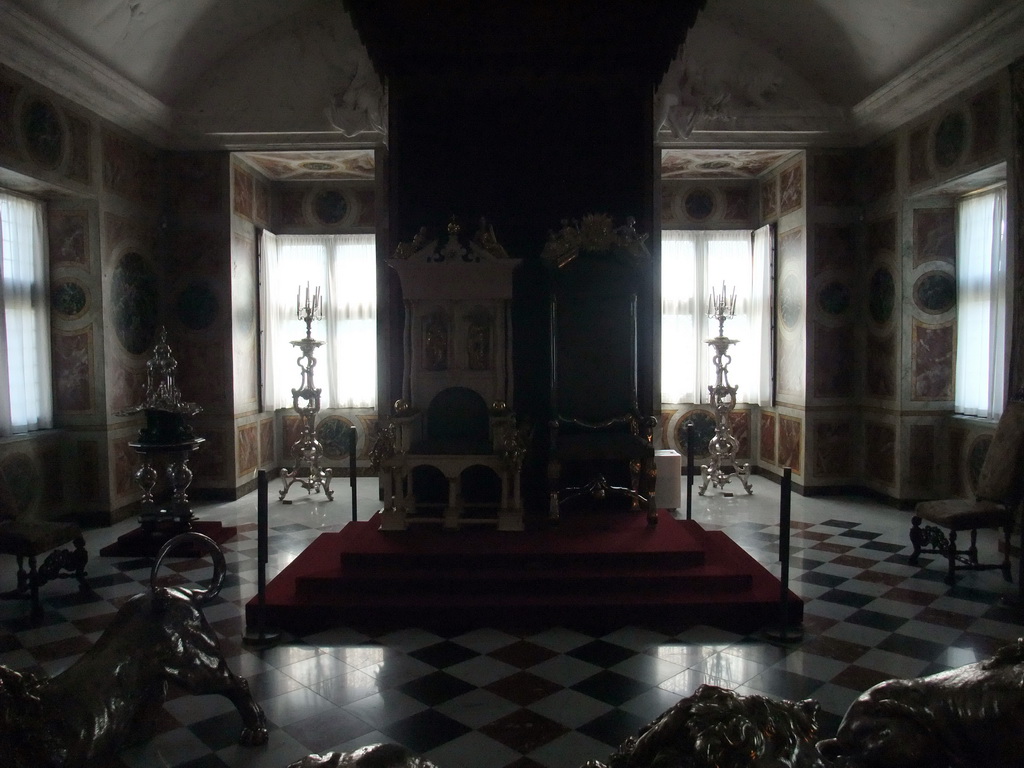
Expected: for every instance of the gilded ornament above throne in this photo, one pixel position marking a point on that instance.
(451, 451)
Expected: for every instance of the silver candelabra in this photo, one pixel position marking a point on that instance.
(307, 450)
(723, 445)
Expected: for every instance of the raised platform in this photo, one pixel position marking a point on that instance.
(139, 543)
(602, 569)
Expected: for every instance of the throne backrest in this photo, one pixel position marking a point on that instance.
(458, 415)
(594, 339)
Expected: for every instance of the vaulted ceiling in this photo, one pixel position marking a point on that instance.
(270, 75)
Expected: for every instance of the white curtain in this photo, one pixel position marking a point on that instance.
(25, 390)
(344, 268)
(981, 304)
(693, 263)
(760, 347)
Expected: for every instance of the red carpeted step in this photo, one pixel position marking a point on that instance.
(618, 571)
(597, 540)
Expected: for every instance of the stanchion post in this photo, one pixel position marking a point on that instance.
(784, 632)
(689, 470)
(262, 636)
(352, 467)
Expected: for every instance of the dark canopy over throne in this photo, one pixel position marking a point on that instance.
(600, 442)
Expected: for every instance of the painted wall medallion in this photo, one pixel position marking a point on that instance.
(703, 431)
(935, 292)
(68, 298)
(330, 206)
(950, 139)
(197, 306)
(44, 132)
(333, 434)
(134, 291)
(882, 295)
(699, 204)
(834, 298)
(791, 303)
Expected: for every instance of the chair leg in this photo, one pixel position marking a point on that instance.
(951, 556)
(33, 585)
(1007, 530)
(972, 551)
(916, 539)
(80, 557)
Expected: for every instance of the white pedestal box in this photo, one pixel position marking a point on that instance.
(669, 488)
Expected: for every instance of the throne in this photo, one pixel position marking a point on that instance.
(451, 452)
(600, 443)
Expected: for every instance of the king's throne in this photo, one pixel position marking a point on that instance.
(450, 453)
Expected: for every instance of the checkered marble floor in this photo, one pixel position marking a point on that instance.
(556, 697)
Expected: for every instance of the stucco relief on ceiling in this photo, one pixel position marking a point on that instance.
(314, 165)
(719, 163)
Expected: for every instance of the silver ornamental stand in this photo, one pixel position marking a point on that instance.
(307, 450)
(723, 445)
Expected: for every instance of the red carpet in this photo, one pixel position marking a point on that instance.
(137, 543)
(602, 569)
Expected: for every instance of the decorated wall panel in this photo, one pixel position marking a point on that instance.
(41, 134)
(833, 446)
(325, 207)
(790, 337)
(709, 204)
(244, 300)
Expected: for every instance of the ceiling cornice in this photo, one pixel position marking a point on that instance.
(30, 48)
(978, 52)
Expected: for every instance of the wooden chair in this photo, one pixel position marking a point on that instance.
(995, 504)
(28, 539)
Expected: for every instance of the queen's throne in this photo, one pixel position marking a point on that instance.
(600, 443)
(451, 453)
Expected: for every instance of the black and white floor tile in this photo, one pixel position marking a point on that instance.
(552, 698)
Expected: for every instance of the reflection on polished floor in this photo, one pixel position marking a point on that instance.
(554, 697)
